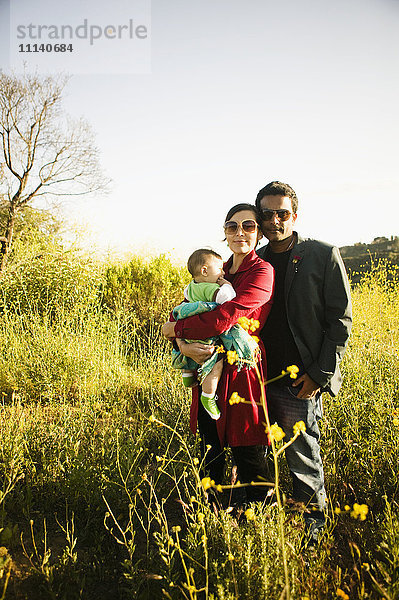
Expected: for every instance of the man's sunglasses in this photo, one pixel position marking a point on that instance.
(249, 226)
(282, 214)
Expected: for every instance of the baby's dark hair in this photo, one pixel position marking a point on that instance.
(198, 259)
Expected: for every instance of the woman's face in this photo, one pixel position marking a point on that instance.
(245, 238)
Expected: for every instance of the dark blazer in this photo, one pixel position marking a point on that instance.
(319, 310)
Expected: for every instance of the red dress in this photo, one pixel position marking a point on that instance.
(239, 424)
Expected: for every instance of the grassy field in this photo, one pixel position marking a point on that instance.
(100, 494)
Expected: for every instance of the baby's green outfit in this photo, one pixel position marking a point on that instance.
(206, 292)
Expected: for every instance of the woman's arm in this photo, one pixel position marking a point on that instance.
(255, 289)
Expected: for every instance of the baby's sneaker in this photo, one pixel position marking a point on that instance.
(189, 380)
(211, 406)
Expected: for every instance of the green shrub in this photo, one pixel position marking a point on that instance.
(64, 359)
(144, 290)
(50, 283)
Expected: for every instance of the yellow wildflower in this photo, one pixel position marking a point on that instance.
(230, 556)
(337, 510)
(158, 458)
(207, 483)
(200, 517)
(298, 427)
(196, 461)
(244, 322)
(151, 418)
(248, 324)
(360, 511)
(219, 488)
(232, 356)
(341, 594)
(254, 325)
(395, 421)
(250, 514)
(220, 349)
(276, 433)
(347, 507)
(235, 399)
(293, 371)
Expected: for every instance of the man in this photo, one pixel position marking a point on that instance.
(309, 326)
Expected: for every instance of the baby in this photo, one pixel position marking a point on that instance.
(207, 285)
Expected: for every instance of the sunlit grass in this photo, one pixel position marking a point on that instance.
(117, 499)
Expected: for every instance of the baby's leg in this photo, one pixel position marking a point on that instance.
(209, 386)
(189, 378)
(210, 383)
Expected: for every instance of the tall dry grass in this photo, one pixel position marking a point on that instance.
(108, 502)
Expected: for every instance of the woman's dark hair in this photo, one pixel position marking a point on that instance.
(243, 206)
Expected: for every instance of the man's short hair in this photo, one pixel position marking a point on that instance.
(277, 188)
(198, 259)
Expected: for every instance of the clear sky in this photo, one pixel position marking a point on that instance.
(240, 94)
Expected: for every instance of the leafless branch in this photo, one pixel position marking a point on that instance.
(42, 152)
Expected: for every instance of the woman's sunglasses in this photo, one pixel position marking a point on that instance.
(268, 214)
(248, 226)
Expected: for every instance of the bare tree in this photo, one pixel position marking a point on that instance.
(43, 153)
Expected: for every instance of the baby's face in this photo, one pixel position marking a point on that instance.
(214, 269)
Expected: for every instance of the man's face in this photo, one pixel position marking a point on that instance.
(275, 228)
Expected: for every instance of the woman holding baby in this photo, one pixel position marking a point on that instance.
(241, 425)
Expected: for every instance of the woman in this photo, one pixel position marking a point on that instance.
(242, 425)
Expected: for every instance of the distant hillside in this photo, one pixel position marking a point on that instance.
(360, 257)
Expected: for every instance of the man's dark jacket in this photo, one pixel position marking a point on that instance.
(319, 310)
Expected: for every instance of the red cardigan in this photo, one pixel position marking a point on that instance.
(239, 424)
